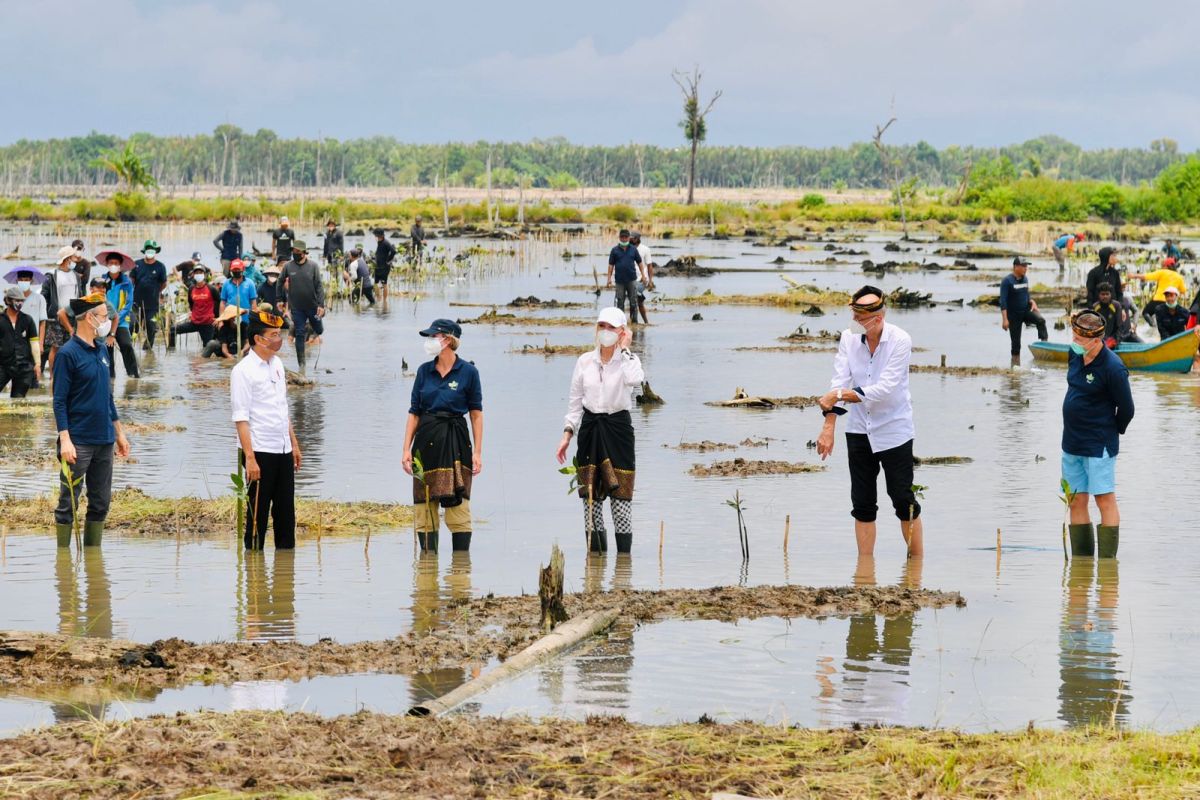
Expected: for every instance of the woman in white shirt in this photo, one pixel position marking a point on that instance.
(598, 414)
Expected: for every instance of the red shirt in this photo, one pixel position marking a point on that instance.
(203, 312)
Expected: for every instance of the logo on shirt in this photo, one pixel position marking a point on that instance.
(1091, 378)
(453, 384)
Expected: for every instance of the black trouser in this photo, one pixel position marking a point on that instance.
(207, 332)
(128, 356)
(1150, 313)
(145, 309)
(1018, 320)
(367, 291)
(273, 495)
(897, 466)
(94, 464)
(21, 375)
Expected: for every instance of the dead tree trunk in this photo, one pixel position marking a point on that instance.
(550, 590)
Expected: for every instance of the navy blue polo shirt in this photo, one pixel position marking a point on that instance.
(83, 401)
(231, 244)
(457, 393)
(1014, 294)
(624, 259)
(1098, 406)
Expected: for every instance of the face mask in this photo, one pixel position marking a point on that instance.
(199, 277)
(149, 255)
(15, 305)
(103, 329)
(433, 347)
(113, 271)
(1078, 349)
(1172, 303)
(624, 244)
(272, 278)
(273, 344)
(23, 285)
(607, 338)
(237, 276)
(857, 328)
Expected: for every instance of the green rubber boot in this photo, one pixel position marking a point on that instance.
(1107, 539)
(92, 531)
(428, 541)
(63, 531)
(1083, 540)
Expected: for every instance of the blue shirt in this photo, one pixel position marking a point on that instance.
(240, 295)
(120, 295)
(1014, 294)
(1098, 406)
(1061, 241)
(624, 259)
(148, 279)
(457, 393)
(231, 244)
(83, 401)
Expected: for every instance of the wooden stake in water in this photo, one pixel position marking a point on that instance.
(943, 360)
(661, 527)
(787, 529)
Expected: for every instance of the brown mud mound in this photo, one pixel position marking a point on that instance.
(741, 468)
(741, 399)
(706, 446)
(475, 631)
(971, 372)
(272, 754)
(494, 317)
(533, 302)
(547, 349)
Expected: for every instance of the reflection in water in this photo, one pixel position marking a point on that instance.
(1093, 688)
(429, 608)
(89, 614)
(308, 417)
(268, 605)
(875, 685)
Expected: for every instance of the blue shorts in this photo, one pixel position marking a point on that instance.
(1089, 475)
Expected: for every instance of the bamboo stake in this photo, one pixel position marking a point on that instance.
(787, 529)
(561, 638)
(661, 527)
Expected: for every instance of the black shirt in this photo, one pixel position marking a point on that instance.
(1171, 321)
(283, 238)
(15, 352)
(334, 243)
(385, 251)
(1098, 275)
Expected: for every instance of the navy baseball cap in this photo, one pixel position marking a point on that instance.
(443, 326)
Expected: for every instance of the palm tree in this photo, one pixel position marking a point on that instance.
(129, 168)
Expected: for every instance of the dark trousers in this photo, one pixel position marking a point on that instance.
(128, 356)
(624, 290)
(897, 466)
(303, 318)
(22, 377)
(144, 311)
(272, 496)
(1150, 312)
(94, 463)
(206, 331)
(1017, 321)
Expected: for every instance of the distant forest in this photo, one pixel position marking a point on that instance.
(232, 157)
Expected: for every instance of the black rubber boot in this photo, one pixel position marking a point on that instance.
(428, 541)
(599, 541)
(62, 530)
(1107, 539)
(461, 541)
(92, 532)
(624, 542)
(1083, 540)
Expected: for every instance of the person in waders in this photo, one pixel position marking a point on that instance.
(1097, 410)
(445, 392)
(870, 383)
(88, 426)
(258, 394)
(598, 406)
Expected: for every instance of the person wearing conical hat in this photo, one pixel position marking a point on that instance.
(89, 429)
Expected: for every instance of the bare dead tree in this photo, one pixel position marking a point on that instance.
(694, 124)
(891, 166)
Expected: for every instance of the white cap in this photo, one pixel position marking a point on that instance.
(613, 316)
(283, 218)
(1170, 290)
(65, 252)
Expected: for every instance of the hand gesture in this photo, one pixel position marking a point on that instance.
(825, 443)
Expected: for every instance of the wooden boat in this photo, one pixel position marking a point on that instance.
(1170, 355)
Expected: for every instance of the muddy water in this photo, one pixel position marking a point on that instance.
(1120, 639)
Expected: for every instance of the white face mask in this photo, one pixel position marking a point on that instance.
(607, 338)
(114, 271)
(434, 347)
(23, 285)
(199, 277)
(857, 328)
(103, 329)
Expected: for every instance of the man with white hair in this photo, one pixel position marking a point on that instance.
(58, 290)
(870, 383)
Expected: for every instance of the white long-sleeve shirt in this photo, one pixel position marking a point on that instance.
(258, 392)
(881, 380)
(644, 267)
(603, 388)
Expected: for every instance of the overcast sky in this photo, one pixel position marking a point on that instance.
(983, 72)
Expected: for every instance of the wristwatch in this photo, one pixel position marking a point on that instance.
(839, 395)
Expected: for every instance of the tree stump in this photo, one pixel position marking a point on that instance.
(550, 590)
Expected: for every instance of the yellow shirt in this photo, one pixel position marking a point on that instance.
(1164, 278)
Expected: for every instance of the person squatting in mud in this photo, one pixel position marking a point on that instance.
(598, 404)
(445, 392)
(870, 383)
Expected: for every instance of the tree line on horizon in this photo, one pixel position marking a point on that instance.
(235, 158)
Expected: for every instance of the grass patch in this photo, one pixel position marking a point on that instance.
(795, 298)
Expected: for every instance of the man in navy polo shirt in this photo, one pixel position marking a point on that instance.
(1017, 308)
(87, 421)
(1096, 412)
(623, 263)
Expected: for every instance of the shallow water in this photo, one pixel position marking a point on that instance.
(1009, 641)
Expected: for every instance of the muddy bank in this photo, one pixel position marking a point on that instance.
(804, 296)
(741, 468)
(962, 371)
(494, 317)
(930, 461)
(743, 400)
(373, 755)
(134, 511)
(707, 446)
(473, 632)
(547, 349)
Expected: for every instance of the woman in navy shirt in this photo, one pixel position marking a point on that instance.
(445, 393)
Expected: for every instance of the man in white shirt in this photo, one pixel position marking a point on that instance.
(645, 274)
(258, 392)
(870, 382)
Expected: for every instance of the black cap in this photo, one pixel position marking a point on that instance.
(623, 232)
(379, 232)
(234, 225)
(443, 326)
(1021, 261)
(635, 235)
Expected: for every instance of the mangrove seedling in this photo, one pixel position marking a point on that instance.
(73, 487)
(919, 493)
(418, 468)
(572, 470)
(1067, 497)
(743, 534)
